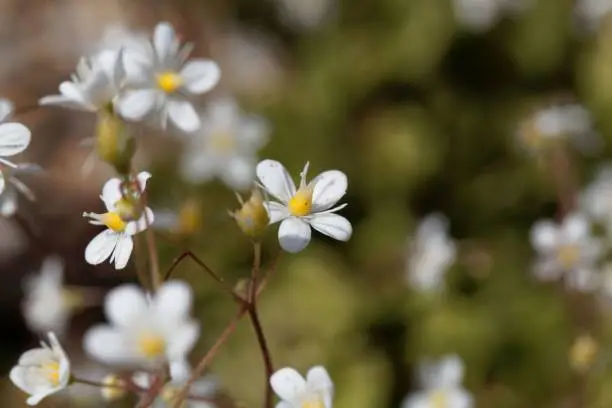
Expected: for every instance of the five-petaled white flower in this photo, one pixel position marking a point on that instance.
(145, 330)
(431, 253)
(225, 146)
(167, 81)
(42, 371)
(567, 249)
(116, 241)
(316, 391)
(48, 304)
(94, 86)
(442, 386)
(310, 205)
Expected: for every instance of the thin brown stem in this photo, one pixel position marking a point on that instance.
(151, 394)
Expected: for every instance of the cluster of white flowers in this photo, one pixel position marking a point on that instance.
(150, 330)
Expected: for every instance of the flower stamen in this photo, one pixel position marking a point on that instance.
(169, 81)
(151, 345)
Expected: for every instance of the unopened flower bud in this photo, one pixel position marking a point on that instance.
(114, 388)
(189, 218)
(114, 145)
(252, 217)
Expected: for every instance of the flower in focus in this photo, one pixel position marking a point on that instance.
(431, 253)
(442, 386)
(94, 86)
(144, 330)
(252, 217)
(567, 250)
(583, 353)
(316, 391)
(167, 82)
(122, 219)
(48, 303)
(596, 199)
(225, 146)
(42, 371)
(310, 205)
(481, 15)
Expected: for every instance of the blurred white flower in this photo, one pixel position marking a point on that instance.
(11, 186)
(306, 14)
(442, 387)
(116, 241)
(430, 255)
(590, 13)
(481, 15)
(14, 137)
(167, 82)
(316, 391)
(145, 330)
(48, 304)
(94, 86)
(567, 250)
(225, 146)
(42, 371)
(308, 206)
(596, 199)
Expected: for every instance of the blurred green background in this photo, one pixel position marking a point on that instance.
(422, 115)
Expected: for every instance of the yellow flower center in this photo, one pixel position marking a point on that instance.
(113, 221)
(301, 203)
(151, 345)
(438, 399)
(568, 255)
(169, 81)
(313, 404)
(52, 372)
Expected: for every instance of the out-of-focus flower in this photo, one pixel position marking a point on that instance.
(252, 217)
(583, 353)
(442, 386)
(145, 330)
(11, 186)
(430, 255)
(315, 391)
(596, 199)
(14, 137)
(114, 388)
(567, 250)
(187, 221)
(311, 205)
(42, 371)
(570, 122)
(590, 13)
(481, 15)
(48, 304)
(306, 15)
(95, 85)
(122, 219)
(225, 146)
(167, 82)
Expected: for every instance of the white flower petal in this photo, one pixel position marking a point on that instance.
(547, 270)
(6, 108)
(318, 380)
(200, 75)
(64, 101)
(450, 372)
(332, 225)
(142, 178)
(276, 179)
(459, 398)
(111, 193)
(418, 400)
(14, 138)
(183, 115)
(575, 227)
(107, 345)
(101, 247)
(173, 300)
(8, 200)
(136, 104)
(239, 173)
(544, 236)
(182, 339)
(135, 227)
(330, 187)
(293, 234)
(123, 250)
(165, 41)
(285, 404)
(124, 305)
(276, 211)
(288, 384)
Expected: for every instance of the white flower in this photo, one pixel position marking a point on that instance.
(481, 15)
(316, 391)
(167, 82)
(145, 330)
(225, 146)
(308, 206)
(42, 371)
(94, 86)
(116, 241)
(590, 13)
(11, 186)
(14, 137)
(596, 199)
(306, 14)
(567, 249)
(442, 386)
(431, 253)
(48, 304)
